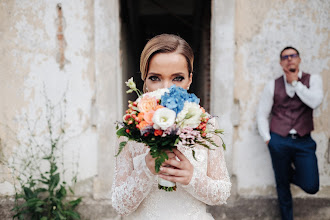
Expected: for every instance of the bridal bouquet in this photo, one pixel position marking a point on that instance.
(163, 119)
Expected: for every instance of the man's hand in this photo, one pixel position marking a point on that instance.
(291, 76)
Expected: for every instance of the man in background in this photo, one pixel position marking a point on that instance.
(290, 101)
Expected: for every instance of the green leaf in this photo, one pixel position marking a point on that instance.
(28, 192)
(193, 153)
(43, 218)
(38, 209)
(34, 202)
(47, 157)
(53, 168)
(224, 146)
(121, 132)
(61, 193)
(177, 141)
(212, 142)
(121, 147)
(74, 203)
(43, 176)
(39, 190)
(220, 131)
(44, 182)
(72, 214)
(71, 190)
(136, 109)
(54, 181)
(160, 159)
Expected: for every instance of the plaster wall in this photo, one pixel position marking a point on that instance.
(222, 70)
(30, 71)
(262, 30)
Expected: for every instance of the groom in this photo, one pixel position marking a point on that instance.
(290, 101)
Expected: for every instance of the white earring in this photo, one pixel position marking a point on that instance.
(188, 88)
(147, 89)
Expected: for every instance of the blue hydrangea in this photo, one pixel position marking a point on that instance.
(176, 97)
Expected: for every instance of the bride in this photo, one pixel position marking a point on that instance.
(166, 60)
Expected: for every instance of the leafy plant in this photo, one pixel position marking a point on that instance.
(42, 194)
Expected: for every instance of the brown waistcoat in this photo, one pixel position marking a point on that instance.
(288, 113)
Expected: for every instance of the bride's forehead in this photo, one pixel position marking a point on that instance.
(168, 64)
(168, 58)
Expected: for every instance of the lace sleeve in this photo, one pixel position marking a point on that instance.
(213, 187)
(132, 180)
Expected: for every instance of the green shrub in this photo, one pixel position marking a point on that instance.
(44, 194)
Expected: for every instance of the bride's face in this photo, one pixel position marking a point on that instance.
(166, 69)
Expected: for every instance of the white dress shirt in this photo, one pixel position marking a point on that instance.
(311, 96)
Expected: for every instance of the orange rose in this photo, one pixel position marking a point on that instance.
(158, 107)
(143, 124)
(141, 116)
(148, 116)
(147, 103)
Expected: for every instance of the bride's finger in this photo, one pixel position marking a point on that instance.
(170, 155)
(174, 163)
(173, 171)
(179, 155)
(178, 179)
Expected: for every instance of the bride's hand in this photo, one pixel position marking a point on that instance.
(150, 161)
(180, 172)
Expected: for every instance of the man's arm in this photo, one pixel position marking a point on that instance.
(264, 109)
(313, 95)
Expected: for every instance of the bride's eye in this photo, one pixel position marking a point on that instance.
(154, 78)
(178, 78)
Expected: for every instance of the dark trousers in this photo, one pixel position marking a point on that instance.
(300, 152)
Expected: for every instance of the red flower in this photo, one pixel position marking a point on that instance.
(158, 132)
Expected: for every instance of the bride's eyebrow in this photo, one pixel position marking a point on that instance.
(178, 74)
(159, 75)
(154, 74)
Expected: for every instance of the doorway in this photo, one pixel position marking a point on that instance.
(143, 19)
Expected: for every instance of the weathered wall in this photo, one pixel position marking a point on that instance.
(48, 52)
(246, 38)
(30, 72)
(262, 30)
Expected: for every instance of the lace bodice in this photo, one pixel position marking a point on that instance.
(135, 192)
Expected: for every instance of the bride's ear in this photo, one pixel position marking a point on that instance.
(190, 79)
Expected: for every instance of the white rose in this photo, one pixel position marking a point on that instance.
(158, 93)
(163, 118)
(190, 116)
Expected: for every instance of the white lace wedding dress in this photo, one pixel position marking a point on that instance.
(135, 192)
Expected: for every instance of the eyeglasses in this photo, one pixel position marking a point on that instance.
(286, 57)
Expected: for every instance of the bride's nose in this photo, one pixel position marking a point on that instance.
(167, 84)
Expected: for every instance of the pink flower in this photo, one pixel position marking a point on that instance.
(147, 103)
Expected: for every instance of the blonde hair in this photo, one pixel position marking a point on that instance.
(165, 43)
